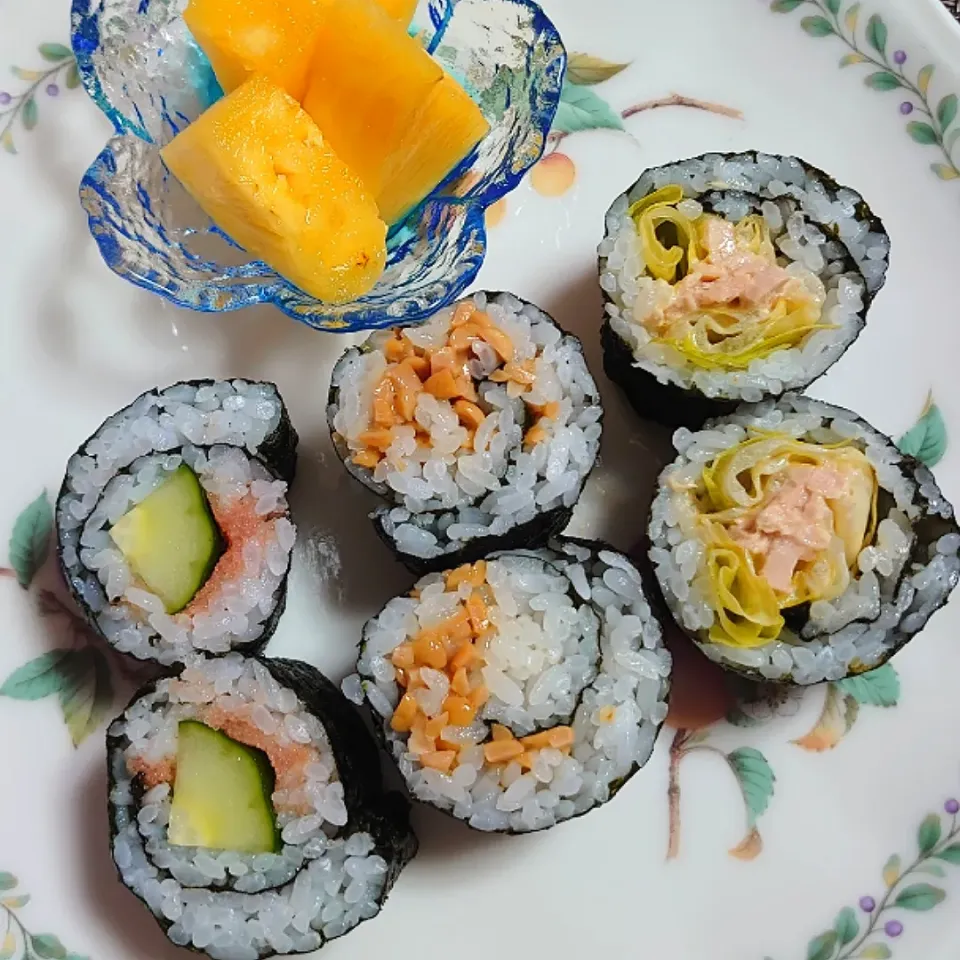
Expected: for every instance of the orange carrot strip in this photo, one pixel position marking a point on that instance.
(499, 751)
(460, 711)
(367, 458)
(499, 341)
(463, 314)
(403, 716)
(408, 387)
(384, 398)
(466, 389)
(500, 732)
(396, 348)
(464, 656)
(402, 656)
(429, 651)
(536, 434)
(460, 684)
(479, 696)
(438, 760)
(442, 385)
(435, 725)
(471, 416)
(380, 438)
(477, 610)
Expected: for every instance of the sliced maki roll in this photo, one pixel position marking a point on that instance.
(733, 278)
(521, 690)
(478, 428)
(247, 809)
(173, 525)
(794, 542)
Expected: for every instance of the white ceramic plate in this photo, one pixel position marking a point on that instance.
(820, 826)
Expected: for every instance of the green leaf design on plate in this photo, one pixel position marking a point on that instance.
(950, 854)
(30, 539)
(54, 52)
(785, 6)
(919, 896)
(851, 58)
(950, 140)
(8, 947)
(924, 77)
(817, 26)
(7, 880)
(15, 903)
(882, 80)
(6, 141)
(877, 34)
(86, 694)
(922, 132)
(48, 947)
(891, 870)
(851, 16)
(846, 926)
(29, 114)
(38, 678)
(585, 70)
(822, 947)
(945, 172)
(878, 688)
(947, 111)
(876, 951)
(927, 438)
(931, 869)
(833, 6)
(756, 779)
(72, 78)
(581, 109)
(928, 836)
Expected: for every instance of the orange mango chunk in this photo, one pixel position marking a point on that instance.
(263, 172)
(388, 108)
(439, 760)
(243, 38)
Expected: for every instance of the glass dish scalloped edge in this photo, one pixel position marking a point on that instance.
(142, 68)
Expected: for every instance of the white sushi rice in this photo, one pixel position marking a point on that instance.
(240, 906)
(815, 228)
(129, 458)
(445, 496)
(566, 588)
(898, 583)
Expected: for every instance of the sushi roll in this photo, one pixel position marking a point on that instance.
(173, 527)
(520, 690)
(733, 278)
(477, 428)
(793, 542)
(247, 810)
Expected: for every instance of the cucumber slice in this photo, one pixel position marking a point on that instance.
(170, 539)
(221, 794)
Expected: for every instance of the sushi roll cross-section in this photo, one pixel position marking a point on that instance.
(247, 810)
(520, 690)
(795, 543)
(174, 530)
(733, 278)
(478, 428)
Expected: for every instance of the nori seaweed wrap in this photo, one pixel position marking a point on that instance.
(247, 809)
(795, 543)
(173, 528)
(731, 278)
(478, 429)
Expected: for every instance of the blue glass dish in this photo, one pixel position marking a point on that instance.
(140, 65)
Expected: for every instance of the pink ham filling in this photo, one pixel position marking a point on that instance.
(727, 276)
(794, 526)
